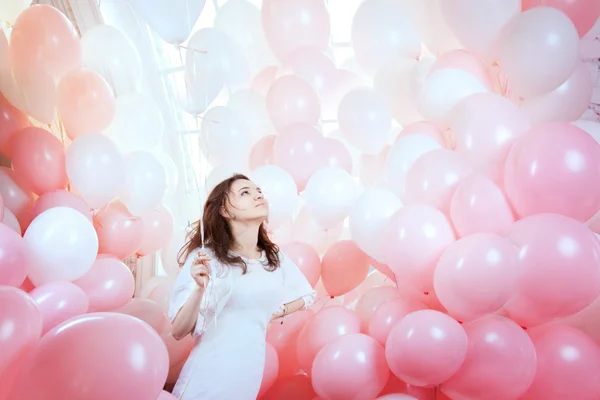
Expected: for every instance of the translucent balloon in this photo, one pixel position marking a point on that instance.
(145, 183)
(280, 191)
(226, 136)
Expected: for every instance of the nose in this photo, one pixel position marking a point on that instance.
(259, 196)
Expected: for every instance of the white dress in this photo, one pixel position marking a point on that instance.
(228, 358)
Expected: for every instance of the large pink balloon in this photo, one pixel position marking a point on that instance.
(39, 158)
(14, 257)
(426, 348)
(86, 103)
(568, 363)
(502, 368)
(271, 370)
(179, 350)
(389, 313)
(296, 387)
(21, 324)
(60, 198)
(476, 275)
(370, 300)
(291, 100)
(559, 268)
(479, 206)
(58, 301)
(555, 168)
(158, 229)
(149, 312)
(119, 233)
(583, 13)
(12, 120)
(343, 268)
(109, 284)
(324, 327)
(283, 337)
(350, 367)
(102, 356)
(306, 258)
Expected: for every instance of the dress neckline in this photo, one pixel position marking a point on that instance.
(261, 259)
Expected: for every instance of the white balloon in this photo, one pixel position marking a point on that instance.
(368, 217)
(145, 183)
(10, 9)
(63, 244)
(401, 158)
(226, 136)
(279, 189)
(251, 106)
(169, 255)
(170, 170)
(95, 168)
(443, 89)
(330, 194)
(138, 123)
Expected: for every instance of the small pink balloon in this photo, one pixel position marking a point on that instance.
(350, 367)
(271, 370)
(343, 267)
(583, 13)
(12, 120)
(370, 300)
(86, 103)
(306, 259)
(465, 61)
(559, 264)
(324, 327)
(158, 229)
(479, 206)
(119, 233)
(476, 275)
(59, 301)
(164, 395)
(568, 362)
(178, 350)
(291, 100)
(424, 128)
(426, 348)
(38, 157)
(61, 198)
(502, 368)
(109, 284)
(147, 311)
(262, 152)
(337, 154)
(14, 257)
(389, 313)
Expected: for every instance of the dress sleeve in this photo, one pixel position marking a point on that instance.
(295, 284)
(215, 295)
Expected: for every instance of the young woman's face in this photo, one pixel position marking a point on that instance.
(246, 202)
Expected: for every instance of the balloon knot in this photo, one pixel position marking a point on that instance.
(426, 293)
(524, 327)
(331, 297)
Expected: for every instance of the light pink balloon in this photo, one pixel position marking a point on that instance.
(476, 275)
(479, 206)
(315, 67)
(323, 328)
(109, 284)
(397, 396)
(484, 128)
(466, 61)
(21, 324)
(426, 348)
(271, 370)
(415, 237)
(343, 267)
(164, 395)
(306, 259)
(60, 198)
(565, 161)
(1, 208)
(350, 367)
(498, 368)
(396, 387)
(384, 269)
(262, 152)
(119, 233)
(59, 301)
(371, 169)
(389, 313)
(337, 154)
(179, 350)
(583, 13)
(12, 189)
(97, 348)
(263, 80)
(148, 311)
(158, 228)
(567, 365)
(370, 300)
(38, 157)
(86, 103)
(291, 100)
(559, 268)
(162, 295)
(12, 120)
(424, 128)
(14, 257)
(433, 178)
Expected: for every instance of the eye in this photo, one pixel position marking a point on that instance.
(245, 192)
(259, 191)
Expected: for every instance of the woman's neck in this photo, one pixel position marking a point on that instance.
(245, 240)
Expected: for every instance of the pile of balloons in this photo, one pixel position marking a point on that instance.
(447, 217)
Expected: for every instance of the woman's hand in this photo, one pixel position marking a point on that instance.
(200, 269)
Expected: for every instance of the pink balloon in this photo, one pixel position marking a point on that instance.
(262, 152)
(384, 269)
(344, 267)
(337, 154)
(161, 294)
(271, 370)
(297, 387)
(566, 161)
(479, 206)
(315, 67)
(323, 328)
(415, 238)
(12, 120)
(38, 157)
(158, 229)
(61, 198)
(559, 268)
(263, 80)
(59, 301)
(502, 368)
(149, 312)
(476, 275)
(425, 128)
(109, 284)
(1, 209)
(468, 62)
(21, 325)
(86, 103)
(371, 169)
(389, 313)
(370, 300)
(14, 257)
(426, 348)
(396, 387)
(567, 365)
(119, 233)
(178, 350)
(583, 13)
(291, 100)
(350, 367)
(96, 348)
(306, 259)
(283, 337)
(433, 178)
(164, 395)
(12, 189)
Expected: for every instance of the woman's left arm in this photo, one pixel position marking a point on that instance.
(298, 293)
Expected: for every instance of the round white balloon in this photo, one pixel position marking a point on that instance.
(145, 183)
(279, 189)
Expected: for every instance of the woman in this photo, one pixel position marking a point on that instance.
(231, 285)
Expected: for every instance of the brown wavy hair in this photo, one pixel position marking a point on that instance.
(218, 236)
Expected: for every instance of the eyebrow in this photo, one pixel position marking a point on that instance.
(248, 187)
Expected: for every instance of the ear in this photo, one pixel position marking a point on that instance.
(224, 213)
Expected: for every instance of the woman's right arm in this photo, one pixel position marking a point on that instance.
(185, 320)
